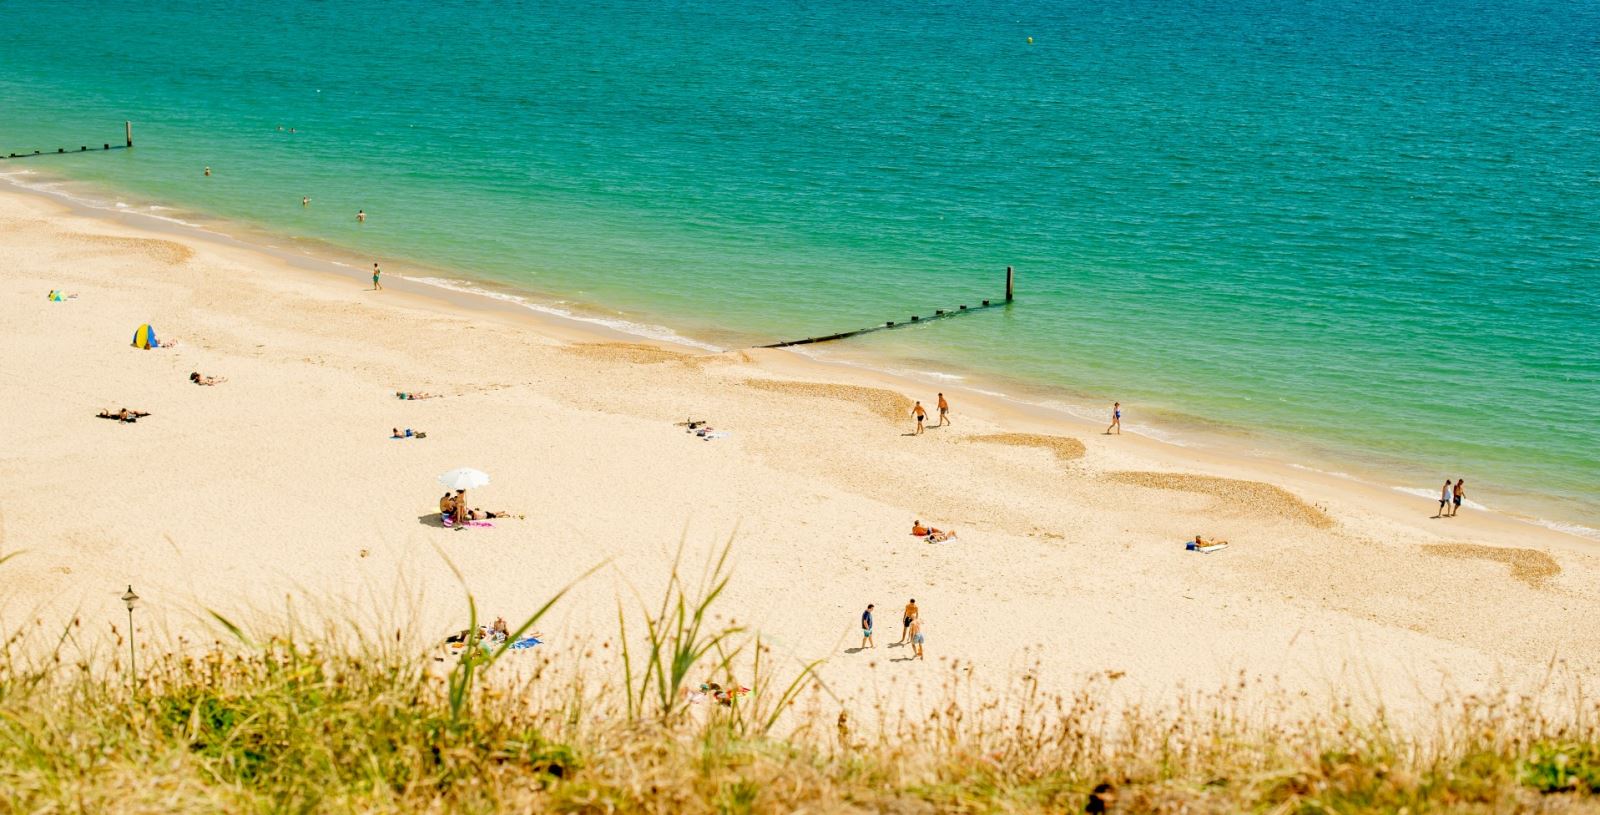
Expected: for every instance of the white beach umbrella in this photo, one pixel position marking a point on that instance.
(464, 478)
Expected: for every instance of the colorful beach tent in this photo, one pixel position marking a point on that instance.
(145, 338)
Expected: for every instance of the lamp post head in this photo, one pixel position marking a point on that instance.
(130, 599)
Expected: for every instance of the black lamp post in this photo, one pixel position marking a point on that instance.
(130, 600)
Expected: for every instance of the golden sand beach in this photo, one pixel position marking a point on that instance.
(283, 484)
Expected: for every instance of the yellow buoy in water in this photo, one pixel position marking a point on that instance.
(1030, 41)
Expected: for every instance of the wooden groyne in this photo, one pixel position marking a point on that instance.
(916, 319)
(127, 130)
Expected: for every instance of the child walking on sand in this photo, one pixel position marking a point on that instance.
(376, 272)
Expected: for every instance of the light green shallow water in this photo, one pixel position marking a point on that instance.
(1367, 232)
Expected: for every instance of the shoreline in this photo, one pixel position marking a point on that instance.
(1070, 539)
(1045, 401)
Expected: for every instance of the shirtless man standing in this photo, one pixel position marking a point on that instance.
(921, 415)
(944, 411)
(905, 621)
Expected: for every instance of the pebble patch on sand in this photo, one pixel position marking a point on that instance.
(1065, 448)
(1250, 496)
(1528, 565)
(885, 403)
(636, 353)
(152, 248)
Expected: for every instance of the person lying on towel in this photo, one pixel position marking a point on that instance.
(931, 533)
(1202, 543)
(123, 415)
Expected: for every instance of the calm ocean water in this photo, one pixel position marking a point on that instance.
(1369, 232)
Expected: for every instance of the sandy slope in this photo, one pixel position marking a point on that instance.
(283, 482)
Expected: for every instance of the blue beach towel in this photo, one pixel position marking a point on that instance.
(526, 642)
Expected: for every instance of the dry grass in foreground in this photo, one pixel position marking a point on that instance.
(292, 725)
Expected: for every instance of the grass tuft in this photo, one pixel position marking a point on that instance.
(308, 724)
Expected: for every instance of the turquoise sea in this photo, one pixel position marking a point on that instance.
(1365, 234)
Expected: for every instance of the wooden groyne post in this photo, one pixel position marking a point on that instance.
(127, 128)
(127, 132)
(938, 314)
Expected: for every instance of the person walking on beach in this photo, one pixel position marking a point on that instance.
(916, 638)
(361, 216)
(944, 411)
(1116, 419)
(866, 628)
(1458, 493)
(906, 620)
(921, 415)
(1444, 499)
(376, 273)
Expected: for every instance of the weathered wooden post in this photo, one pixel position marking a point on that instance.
(1008, 283)
(127, 128)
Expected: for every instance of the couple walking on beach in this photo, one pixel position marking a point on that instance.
(910, 628)
(1450, 498)
(920, 413)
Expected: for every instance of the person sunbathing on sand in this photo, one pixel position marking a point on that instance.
(199, 379)
(123, 415)
(413, 396)
(476, 514)
(931, 533)
(1199, 541)
(408, 434)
